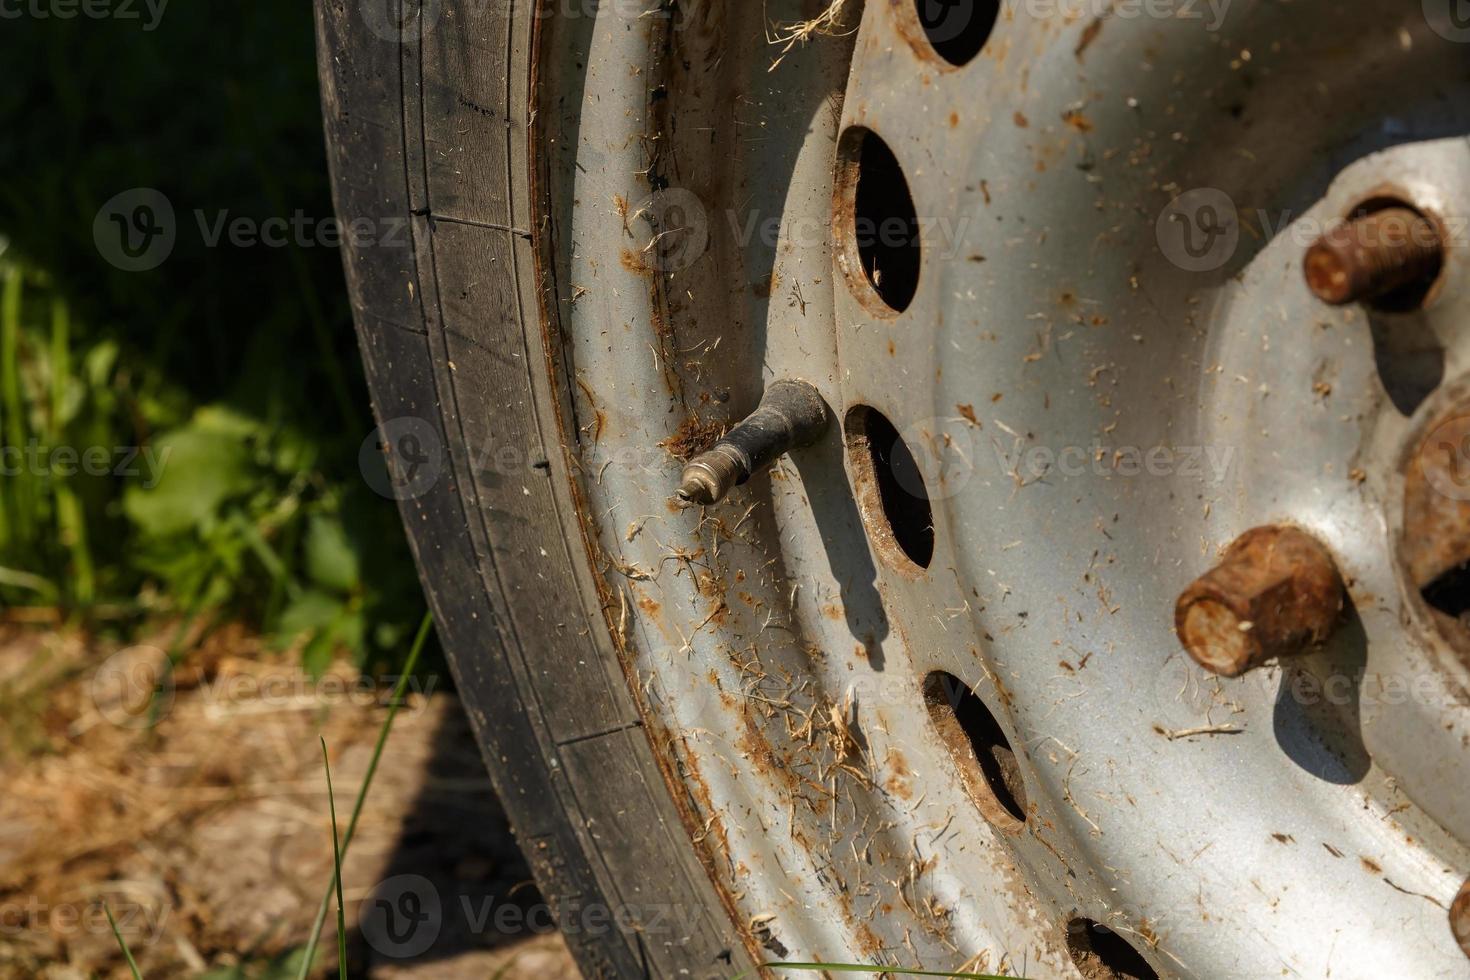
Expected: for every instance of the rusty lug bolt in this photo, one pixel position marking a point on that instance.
(1276, 591)
(1460, 918)
(1369, 256)
(791, 415)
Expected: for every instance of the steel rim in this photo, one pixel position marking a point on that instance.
(805, 668)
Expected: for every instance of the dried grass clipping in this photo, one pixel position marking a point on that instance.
(826, 24)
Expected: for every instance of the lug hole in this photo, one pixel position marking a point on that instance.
(890, 488)
(1450, 593)
(878, 228)
(1102, 954)
(975, 740)
(957, 29)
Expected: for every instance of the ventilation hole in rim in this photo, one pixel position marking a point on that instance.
(880, 227)
(1450, 593)
(1102, 954)
(891, 488)
(957, 29)
(987, 765)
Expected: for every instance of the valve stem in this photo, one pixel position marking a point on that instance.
(791, 415)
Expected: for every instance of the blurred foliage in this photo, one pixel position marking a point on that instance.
(231, 371)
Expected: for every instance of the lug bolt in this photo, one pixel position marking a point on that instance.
(1369, 256)
(1276, 591)
(1460, 918)
(791, 415)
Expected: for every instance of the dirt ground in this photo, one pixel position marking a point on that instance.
(200, 816)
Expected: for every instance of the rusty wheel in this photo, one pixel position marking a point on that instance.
(1096, 303)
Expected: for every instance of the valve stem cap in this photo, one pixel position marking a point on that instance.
(791, 415)
(1276, 591)
(708, 478)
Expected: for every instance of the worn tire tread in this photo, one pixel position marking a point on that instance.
(431, 136)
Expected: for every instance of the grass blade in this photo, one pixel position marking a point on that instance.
(60, 362)
(117, 933)
(26, 580)
(71, 523)
(336, 869)
(367, 780)
(15, 511)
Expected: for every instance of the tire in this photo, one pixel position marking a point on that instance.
(427, 146)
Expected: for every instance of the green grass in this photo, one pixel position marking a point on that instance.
(123, 943)
(336, 871)
(235, 370)
(236, 367)
(187, 507)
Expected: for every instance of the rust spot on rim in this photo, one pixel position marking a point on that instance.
(693, 437)
(1089, 34)
(1460, 918)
